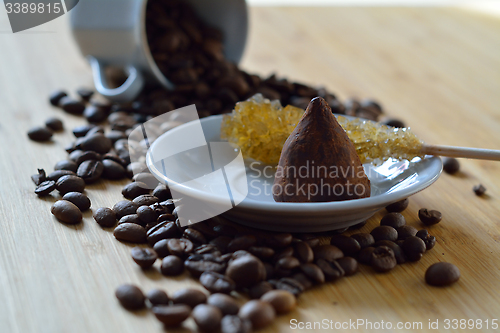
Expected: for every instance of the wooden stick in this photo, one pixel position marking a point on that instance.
(450, 151)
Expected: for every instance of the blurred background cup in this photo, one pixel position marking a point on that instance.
(113, 33)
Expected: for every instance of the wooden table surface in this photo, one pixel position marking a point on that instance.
(438, 69)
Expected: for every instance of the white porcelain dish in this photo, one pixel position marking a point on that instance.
(390, 182)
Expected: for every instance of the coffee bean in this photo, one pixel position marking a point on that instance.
(207, 317)
(179, 247)
(442, 274)
(95, 114)
(286, 252)
(130, 297)
(328, 252)
(161, 248)
(55, 124)
(143, 257)
(166, 218)
(146, 214)
(261, 252)
(172, 265)
(85, 93)
(406, 231)
(217, 283)
(226, 304)
(259, 289)
(158, 297)
(81, 131)
(221, 243)
(171, 315)
(90, 171)
(282, 301)
(79, 156)
(124, 207)
(147, 179)
(66, 165)
(145, 199)
(429, 217)
(312, 241)
(479, 189)
(56, 96)
(130, 232)
(235, 324)
(115, 136)
(364, 239)
(313, 272)
(394, 220)
(428, 239)
(384, 232)
(349, 265)
(135, 189)
(383, 259)
(303, 252)
(96, 142)
(105, 217)
(303, 280)
(112, 170)
(246, 271)
(66, 212)
(189, 296)
(451, 165)
(277, 241)
(207, 248)
(398, 206)
(287, 263)
(348, 245)
(45, 188)
(162, 192)
(40, 134)
(365, 255)
(79, 199)
(241, 243)
(39, 177)
(413, 248)
(398, 251)
(259, 313)
(197, 264)
(71, 105)
(330, 268)
(194, 236)
(161, 231)
(291, 285)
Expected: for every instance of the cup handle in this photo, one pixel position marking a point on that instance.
(124, 93)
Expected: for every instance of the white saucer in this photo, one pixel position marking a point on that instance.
(390, 182)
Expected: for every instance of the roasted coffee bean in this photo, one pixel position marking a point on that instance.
(259, 313)
(189, 296)
(197, 264)
(105, 217)
(398, 251)
(85, 93)
(194, 236)
(130, 232)
(171, 315)
(95, 114)
(278, 241)
(79, 156)
(235, 324)
(394, 220)
(81, 131)
(112, 170)
(313, 272)
(55, 124)
(282, 301)
(135, 189)
(115, 158)
(349, 265)
(348, 245)
(71, 105)
(207, 248)
(221, 243)
(262, 252)
(242, 243)
(225, 230)
(130, 297)
(428, 239)
(146, 214)
(178, 247)
(207, 317)
(429, 217)
(395, 123)
(269, 270)
(365, 255)
(56, 96)
(398, 206)
(291, 285)
(217, 283)
(287, 263)
(161, 231)
(90, 171)
(303, 280)
(442, 274)
(40, 134)
(145, 199)
(161, 248)
(406, 231)
(162, 192)
(328, 252)
(124, 207)
(364, 239)
(226, 304)
(45, 188)
(383, 259)
(39, 177)
(147, 179)
(286, 252)
(451, 165)
(66, 212)
(157, 297)
(246, 271)
(479, 189)
(75, 155)
(331, 269)
(303, 252)
(205, 228)
(66, 165)
(312, 242)
(413, 247)
(143, 257)
(172, 265)
(96, 142)
(79, 199)
(115, 136)
(384, 232)
(259, 289)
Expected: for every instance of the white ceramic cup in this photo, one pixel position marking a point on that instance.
(113, 33)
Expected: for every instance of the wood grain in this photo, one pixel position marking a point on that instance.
(437, 69)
